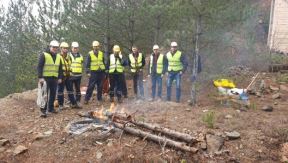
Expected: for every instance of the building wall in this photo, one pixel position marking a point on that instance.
(278, 29)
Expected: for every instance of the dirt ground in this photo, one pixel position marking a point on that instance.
(262, 133)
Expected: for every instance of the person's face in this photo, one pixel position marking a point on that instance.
(156, 51)
(173, 48)
(54, 49)
(64, 50)
(75, 50)
(134, 50)
(95, 48)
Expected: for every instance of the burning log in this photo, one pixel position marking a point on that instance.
(155, 138)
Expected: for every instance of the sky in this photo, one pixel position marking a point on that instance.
(5, 3)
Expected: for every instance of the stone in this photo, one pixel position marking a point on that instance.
(3, 142)
(203, 145)
(99, 155)
(48, 133)
(276, 96)
(233, 135)
(284, 152)
(283, 88)
(20, 149)
(228, 116)
(267, 108)
(274, 88)
(214, 143)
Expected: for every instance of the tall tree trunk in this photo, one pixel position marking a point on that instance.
(195, 61)
(107, 33)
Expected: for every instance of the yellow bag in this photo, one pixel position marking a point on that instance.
(226, 83)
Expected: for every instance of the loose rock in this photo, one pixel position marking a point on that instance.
(3, 142)
(20, 149)
(274, 88)
(228, 116)
(267, 108)
(276, 96)
(214, 143)
(233, 135)
(99, 155)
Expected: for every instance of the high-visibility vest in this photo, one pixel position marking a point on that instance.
(51, 68)
(135, 65)
(115, 65)
(174, 62)
(76, 65)
(96, 62)
(66, 65)
(159, 65)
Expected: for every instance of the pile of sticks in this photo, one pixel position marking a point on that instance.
(152, 132)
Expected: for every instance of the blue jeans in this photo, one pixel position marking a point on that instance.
(138, 83)
(95, 79)
(156, 79)
(66, 83)
(171, 77)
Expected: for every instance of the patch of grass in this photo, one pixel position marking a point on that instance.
(282, 78)
(209, 119)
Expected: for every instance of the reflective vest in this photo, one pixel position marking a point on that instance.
(97, 63)
(76, 65)
(66, 63)
(174, 62)
(115, 65)
(51, 68)
(135, 65)
(159, 65)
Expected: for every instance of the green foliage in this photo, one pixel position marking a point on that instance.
(209, 119)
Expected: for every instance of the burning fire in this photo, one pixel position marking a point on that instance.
(99, 114)
(102, 113)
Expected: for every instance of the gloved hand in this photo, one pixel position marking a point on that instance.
(162, 75)
(181, 72)
(89, 75)
(148, 76)
(59, 81)
(41, 80)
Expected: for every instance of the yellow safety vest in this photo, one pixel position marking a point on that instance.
(115, 65)
(66, 64)
(159, 65)
(135, 65)
(174, 62)
(51, 68)
(96, 63)
(76, 65)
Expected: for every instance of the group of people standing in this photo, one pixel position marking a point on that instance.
(64, 69)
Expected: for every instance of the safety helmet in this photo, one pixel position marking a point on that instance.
(75, 45)
(54, 43)
(95, 43)
(116, 48)
(174, 44)
(155, 47)
(64, 45)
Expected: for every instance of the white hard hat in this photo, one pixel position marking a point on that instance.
(95, 43)
(54, 43)
(64, 45)
(155, 47)
(174, 44)
(75, 45)
(116, 48)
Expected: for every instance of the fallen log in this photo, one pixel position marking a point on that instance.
(278, 67)
(171, 133)
(154, 127)
(179, 145)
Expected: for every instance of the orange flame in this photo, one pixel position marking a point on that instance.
(99, 114)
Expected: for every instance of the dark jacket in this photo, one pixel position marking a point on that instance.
(154, 64)
(123, 62)
(41, 62)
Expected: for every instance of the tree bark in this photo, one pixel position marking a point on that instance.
(155, 138)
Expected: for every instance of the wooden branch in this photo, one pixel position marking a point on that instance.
(171, 133)
(155, 138)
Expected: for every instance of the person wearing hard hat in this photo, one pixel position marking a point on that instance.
(156, 71)
(76, 69)
(115, 67)
(136, 63)
(176, 65)
(50, 71)
(66, 62)
(95, 69)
